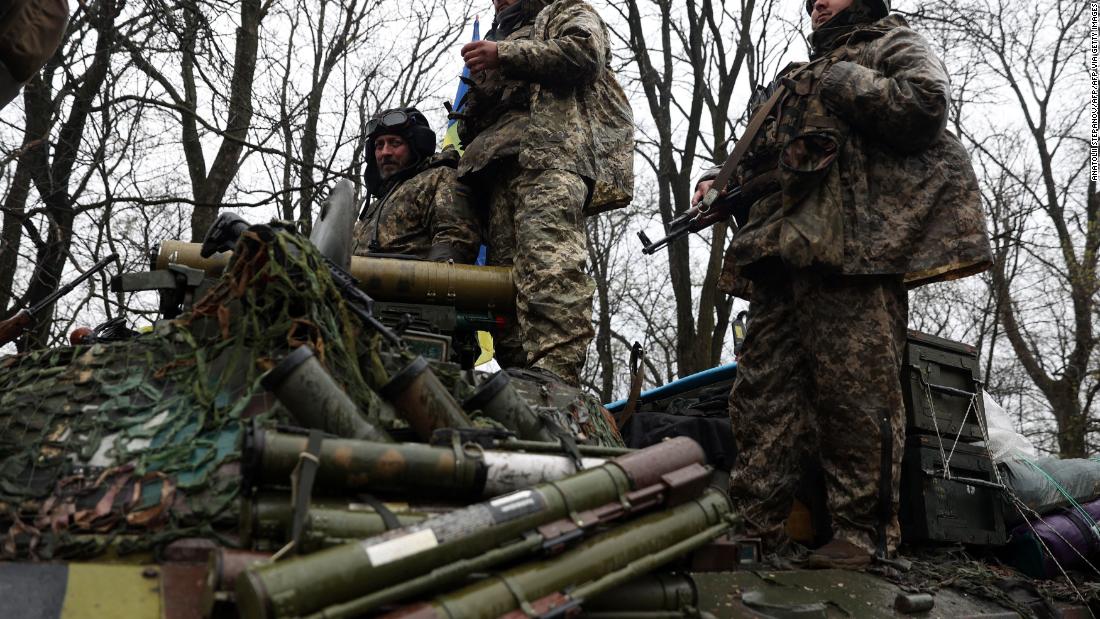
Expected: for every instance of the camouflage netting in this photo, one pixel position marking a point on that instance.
(132, 444)
(129, 445)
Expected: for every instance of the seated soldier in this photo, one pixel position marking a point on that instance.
(416, 206)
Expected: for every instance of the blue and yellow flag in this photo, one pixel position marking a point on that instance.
(450, 138)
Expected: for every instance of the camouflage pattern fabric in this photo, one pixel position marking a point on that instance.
(887, 190)
(422, 211)
(555, 104)
(819, 370)
(536, 226)
(132, 444)
(30, 32)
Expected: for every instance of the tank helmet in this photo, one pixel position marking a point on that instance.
(881, 8)
(407, 122)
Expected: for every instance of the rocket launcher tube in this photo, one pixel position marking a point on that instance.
(610, 559)
(676, 487)
(348, 465)
(498, 399)
(310, 583)
(653, 592)
(422, 400)
(268, 517)
(387, 279)
(315, 400)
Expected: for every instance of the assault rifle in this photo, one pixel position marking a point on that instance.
(13, 327)
(699, 217)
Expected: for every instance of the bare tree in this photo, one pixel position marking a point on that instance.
(187, 33)
(1044, 210)
(54, 145)
(688, 79)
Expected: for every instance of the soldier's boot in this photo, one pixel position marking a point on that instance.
(839, 554)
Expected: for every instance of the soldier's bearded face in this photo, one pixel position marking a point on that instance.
(824, 10)
(500, 5)
(392, 154)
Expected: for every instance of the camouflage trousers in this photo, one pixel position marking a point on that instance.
(817, 380)
(536, 227)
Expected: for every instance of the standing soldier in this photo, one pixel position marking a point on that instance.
(857, 193)
(417, 206)
(549, 138)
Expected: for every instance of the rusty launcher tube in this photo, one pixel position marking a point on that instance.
(499, 400)
(267, 518)
(315, 400)
(347, 465)
(222, 569)
(655, 538)
(311, 583)
(387, 279)
(422, 400)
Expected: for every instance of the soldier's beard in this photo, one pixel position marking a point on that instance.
(387, 167)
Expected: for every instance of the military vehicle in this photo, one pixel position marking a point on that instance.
(303, 434)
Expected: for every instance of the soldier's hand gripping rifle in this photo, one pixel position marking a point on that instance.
(13, 327)
(227, 229)
(716, 207)
(699, 217)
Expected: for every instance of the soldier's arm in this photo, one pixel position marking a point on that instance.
(904, 103)
(456, 232)
(575, 52)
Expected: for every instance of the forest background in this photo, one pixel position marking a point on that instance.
(155, 115)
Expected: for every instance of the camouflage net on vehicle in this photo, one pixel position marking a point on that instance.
(127, 446)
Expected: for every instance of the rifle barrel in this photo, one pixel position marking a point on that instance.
(67, 288)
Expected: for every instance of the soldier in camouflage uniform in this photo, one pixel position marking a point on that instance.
(549, 138)
(417, 206)
(858, 192)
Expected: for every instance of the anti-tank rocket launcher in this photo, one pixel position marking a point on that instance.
(356, 578)
(404, 469)
(436, 307)
(559, 586)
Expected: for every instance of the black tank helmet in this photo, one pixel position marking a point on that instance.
(406, 122)
(881, 8)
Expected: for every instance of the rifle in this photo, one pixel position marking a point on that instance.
(699, 217)
(13, 327)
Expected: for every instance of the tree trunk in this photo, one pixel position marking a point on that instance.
(226, 163)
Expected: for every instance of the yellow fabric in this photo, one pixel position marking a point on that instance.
(485, 341)
(96, 590)
(450, 138)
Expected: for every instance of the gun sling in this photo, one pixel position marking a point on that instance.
(739, 149)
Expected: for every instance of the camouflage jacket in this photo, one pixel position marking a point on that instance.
(867, 178)
(554, 104)
(425, 214)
